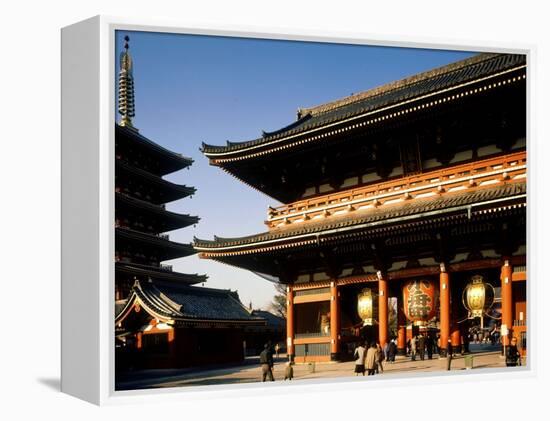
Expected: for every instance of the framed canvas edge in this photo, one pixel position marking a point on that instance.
(107, 27)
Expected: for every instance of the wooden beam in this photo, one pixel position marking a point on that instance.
(314, 340)
(311, 298)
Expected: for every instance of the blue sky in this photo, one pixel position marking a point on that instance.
(191, 89)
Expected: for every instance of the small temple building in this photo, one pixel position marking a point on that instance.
(413, 192)
(162, 319)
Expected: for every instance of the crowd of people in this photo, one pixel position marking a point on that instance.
(421, 346)
(370, 357)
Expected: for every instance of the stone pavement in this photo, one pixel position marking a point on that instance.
(249, 373)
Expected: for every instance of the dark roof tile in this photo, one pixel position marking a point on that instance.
(473, 68)
(413, 207)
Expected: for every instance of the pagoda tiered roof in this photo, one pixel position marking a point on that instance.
(164, 248)
(170, 220)
(168, 161)
(159, 273)
(408, 91)
(166, 190)
(187, 305)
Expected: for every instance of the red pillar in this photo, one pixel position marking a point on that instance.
(506, 294)
(290, 322)
(382, 310)
(334, 322)
(444, 309)
(456, 337)
(401, 325)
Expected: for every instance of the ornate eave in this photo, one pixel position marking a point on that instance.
(172, 220)
(170, 161)
(427, 90)
(159, 273)
(424, 212)
(167, 249)
(171, 190)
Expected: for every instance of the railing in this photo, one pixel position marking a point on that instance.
(312, 291)
(311, 350)
(312, 334)
(166, 268)
(458, 177)
(164, 236)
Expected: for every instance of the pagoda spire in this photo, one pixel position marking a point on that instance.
(126, 87)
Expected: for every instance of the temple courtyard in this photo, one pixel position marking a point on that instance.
(484, 356)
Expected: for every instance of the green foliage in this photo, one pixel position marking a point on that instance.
(278, 304)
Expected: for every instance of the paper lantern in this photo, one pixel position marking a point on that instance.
(366, 306)
(478, 297)
(419, 301)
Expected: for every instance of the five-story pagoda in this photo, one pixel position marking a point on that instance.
(162, 319)
(141, 194)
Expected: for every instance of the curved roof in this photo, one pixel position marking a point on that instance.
(415, 87)
(172, 161)
(416, 208)
(166, 249)
(157, 273)
(171, 220)
(167, 301)
(171, 190)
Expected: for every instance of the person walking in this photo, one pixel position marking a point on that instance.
(430, 346)
(379, 359)
(392, 350)
(421, 345)
(289, 371)
(370, 359)
(277, 348)
(449, 354)
(494, 334)
(512, 354)
(266, 362)
(413, 348)
(359, 355)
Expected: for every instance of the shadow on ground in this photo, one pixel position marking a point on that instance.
(54, 383)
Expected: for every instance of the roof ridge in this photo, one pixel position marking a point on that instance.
(390, 86)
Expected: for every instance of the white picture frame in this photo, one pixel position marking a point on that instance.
(88, 117)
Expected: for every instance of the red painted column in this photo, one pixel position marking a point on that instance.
(382, 310)
(290, 322)
(444, 308)
(401, 326)
(456, 337)
(334, 322)
(506, 294)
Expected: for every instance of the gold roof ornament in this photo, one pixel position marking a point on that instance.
(126, 87)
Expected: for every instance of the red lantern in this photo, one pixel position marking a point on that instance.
(419, 301)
